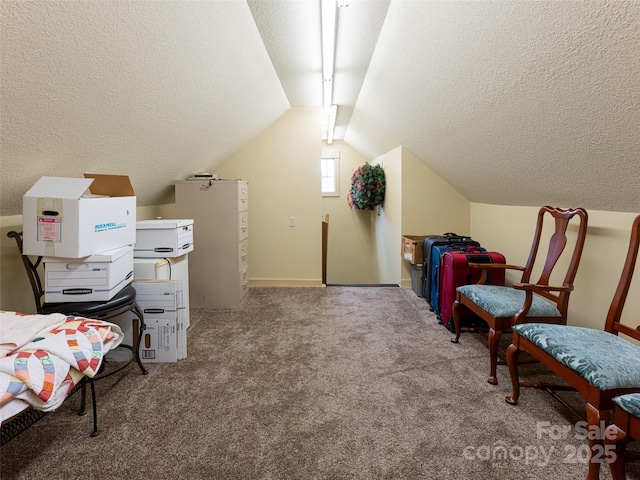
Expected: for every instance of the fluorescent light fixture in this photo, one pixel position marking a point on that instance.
(328, 94)
(329, 12)
(333, 112)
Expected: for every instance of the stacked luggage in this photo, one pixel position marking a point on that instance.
(445, 266)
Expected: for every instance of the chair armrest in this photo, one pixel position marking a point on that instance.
(492, 266)
(489, 266)
(534, 287)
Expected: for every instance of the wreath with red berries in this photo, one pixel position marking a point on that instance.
(367, 187)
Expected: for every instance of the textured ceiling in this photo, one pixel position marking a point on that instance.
(157, 89)
(540, 98)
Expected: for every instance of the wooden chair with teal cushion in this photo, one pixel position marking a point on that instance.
(599, 364)
(625, 429)
(503, 306)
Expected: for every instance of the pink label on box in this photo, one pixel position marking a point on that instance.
(49, 229)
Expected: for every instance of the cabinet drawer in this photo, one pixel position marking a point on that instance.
(243, 253)
(243, 197)
(243, 225)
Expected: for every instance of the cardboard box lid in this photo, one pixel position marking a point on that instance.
(112, 185)
(59, 187)
(74, 188)
(162, 224)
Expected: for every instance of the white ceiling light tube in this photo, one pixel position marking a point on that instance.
(328, 94)
(329, 12)
(333, 112)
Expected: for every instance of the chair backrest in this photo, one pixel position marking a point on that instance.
(557, 243)
(32, 271)
(612, 323)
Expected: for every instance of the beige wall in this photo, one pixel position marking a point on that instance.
(430, 206)
(417, 202)
(350, 241)
(388, 220)
(282, 165)
(15, 291)
(509, 230)
(365, 246)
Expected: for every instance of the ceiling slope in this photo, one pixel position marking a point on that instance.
(521, 103)
(291, 31)
(159, 90)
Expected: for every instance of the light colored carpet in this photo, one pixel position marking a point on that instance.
(311, 383)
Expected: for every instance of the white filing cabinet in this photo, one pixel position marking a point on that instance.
(219, 267)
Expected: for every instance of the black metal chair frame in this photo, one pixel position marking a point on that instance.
(124, 301)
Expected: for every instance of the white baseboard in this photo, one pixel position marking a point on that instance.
(283, 282)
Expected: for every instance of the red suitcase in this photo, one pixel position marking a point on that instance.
(455, 272)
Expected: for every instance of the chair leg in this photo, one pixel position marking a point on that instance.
(512, 361)
(83, 399)
(615, 440)
(94, 404)
(455, 310)
(136, 344)
(494, 342)
(595, 419)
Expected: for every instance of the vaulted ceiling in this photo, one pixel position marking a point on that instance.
(511, 102)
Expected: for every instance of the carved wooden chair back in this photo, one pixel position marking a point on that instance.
(504, 306)
(557, 244)
(599, 364)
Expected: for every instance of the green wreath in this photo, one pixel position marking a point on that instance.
(367, 187)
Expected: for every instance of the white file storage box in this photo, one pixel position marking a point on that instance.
(78, 217)
(164, 300)
(175, 268)
(164, 338)
(163, 238)
(159, 342)
(98, 277)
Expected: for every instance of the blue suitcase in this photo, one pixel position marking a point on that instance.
(434, 240)
(435, 281)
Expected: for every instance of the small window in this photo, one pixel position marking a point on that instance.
(329, 173)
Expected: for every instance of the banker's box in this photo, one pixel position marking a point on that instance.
(162, 300)
(163, 238)
(78, 217)
(171, 268)
(165, 336)
(94, 278)
(159, 341)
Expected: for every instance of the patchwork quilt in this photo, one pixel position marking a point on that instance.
(43, 368)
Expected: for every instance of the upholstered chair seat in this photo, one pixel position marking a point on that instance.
(603, 365)
(603, 359)
(630, 403)
(625, 429)
(527, 300)
(500, 301)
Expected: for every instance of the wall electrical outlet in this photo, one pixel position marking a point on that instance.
(292, 221)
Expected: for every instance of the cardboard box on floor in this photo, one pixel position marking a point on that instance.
(60, 219)
(171, 268)
(165, 336)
